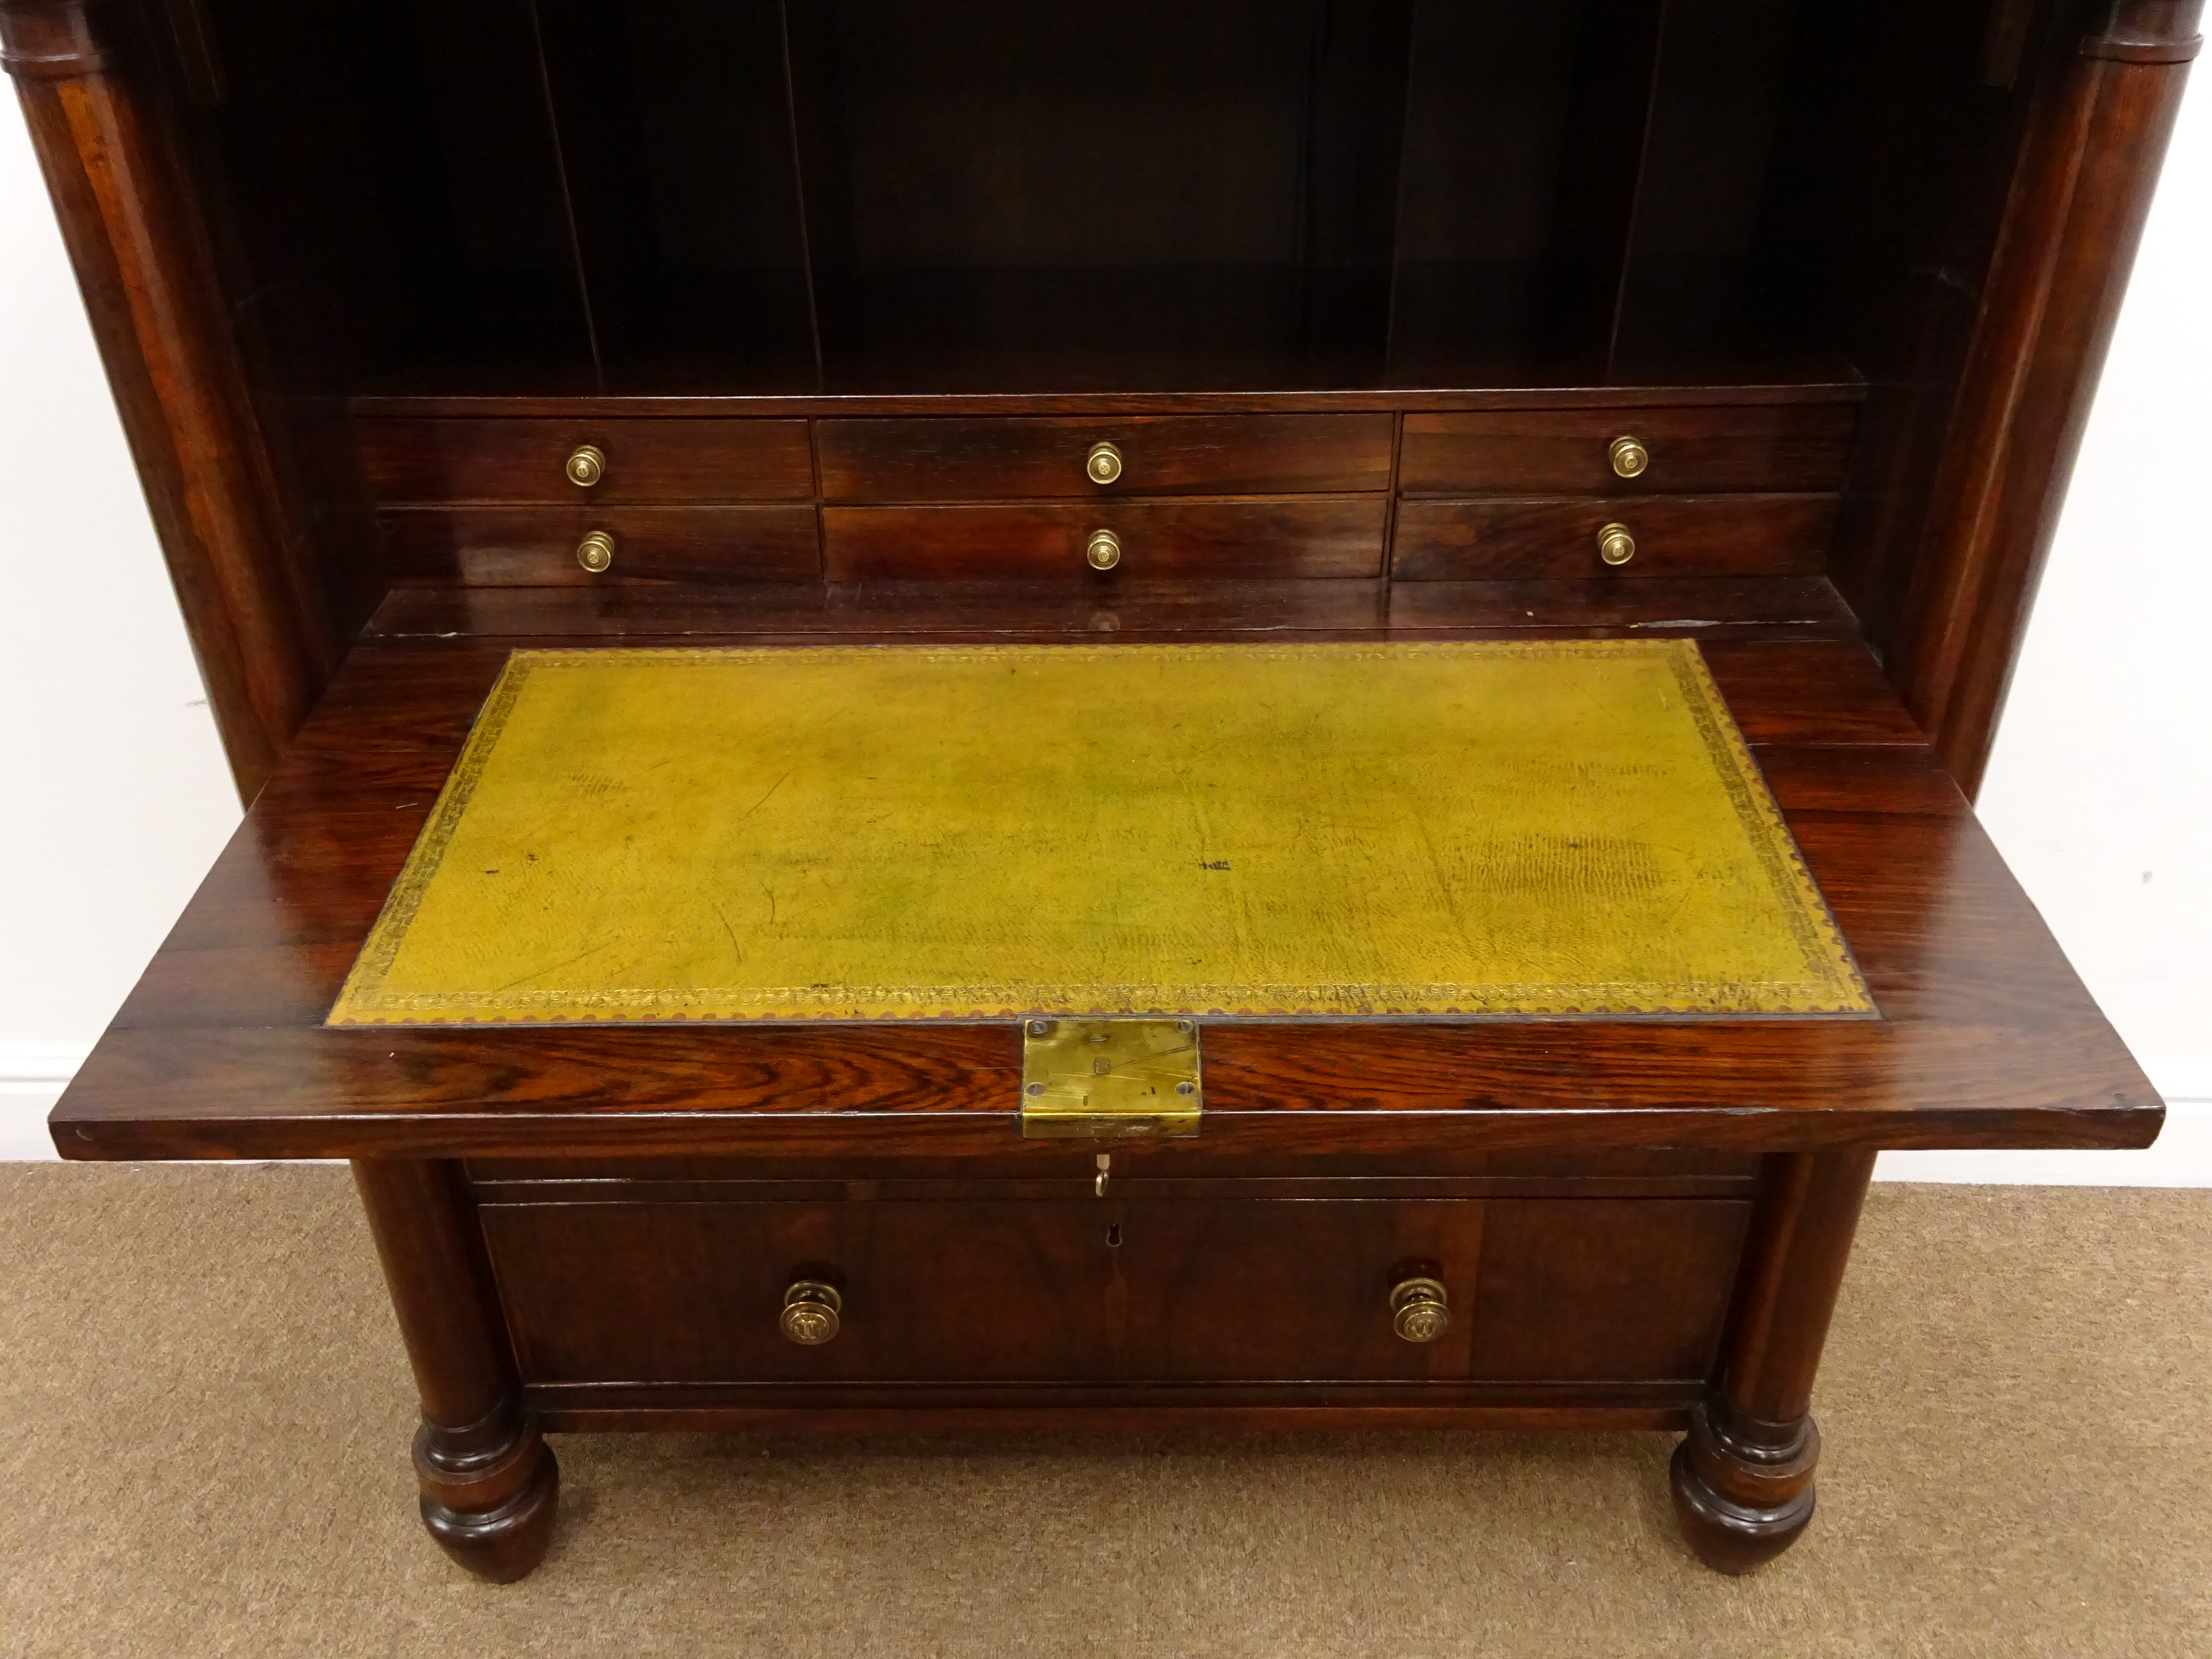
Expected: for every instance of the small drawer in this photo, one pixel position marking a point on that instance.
(1781, 447)
(940, 459)
(537, 546)
(636, 460)
(1308, 536)
(1672, 536)
(654, 1292)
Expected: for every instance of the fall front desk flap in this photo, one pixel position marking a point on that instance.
(889, 833)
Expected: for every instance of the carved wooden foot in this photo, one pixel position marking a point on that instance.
(489, 1495)
(1743, 1489)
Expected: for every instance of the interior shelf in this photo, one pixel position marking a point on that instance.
(832, 196)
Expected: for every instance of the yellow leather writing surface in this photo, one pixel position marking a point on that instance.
(904, 832)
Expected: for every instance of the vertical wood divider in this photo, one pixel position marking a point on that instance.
(254, 612)
(2072, 222)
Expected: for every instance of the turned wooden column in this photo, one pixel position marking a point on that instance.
(489, 1483)
(2073, 217)
(1743, 1479)
(158, 314)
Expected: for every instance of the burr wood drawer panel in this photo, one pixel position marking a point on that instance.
(536, 546)
(943, 459)
(1086, 1290)
(1287, 537)
(1781, 446)
(638, 460)
(1673, 536)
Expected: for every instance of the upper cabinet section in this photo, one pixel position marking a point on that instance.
(913, 196)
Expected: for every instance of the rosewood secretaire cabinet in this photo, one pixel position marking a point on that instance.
(1747, 339)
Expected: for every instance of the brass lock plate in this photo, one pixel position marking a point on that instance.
(1088, 1079)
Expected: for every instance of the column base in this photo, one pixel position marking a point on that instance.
(1743, 1491)
(493, 1514)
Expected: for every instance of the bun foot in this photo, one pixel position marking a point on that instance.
(492, 1513)
(1743, 1490)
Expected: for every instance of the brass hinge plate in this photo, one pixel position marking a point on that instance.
(1088, 1079)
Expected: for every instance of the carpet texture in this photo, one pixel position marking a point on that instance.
(206, 1415)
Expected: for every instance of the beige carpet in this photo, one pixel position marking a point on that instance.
(206, 1413)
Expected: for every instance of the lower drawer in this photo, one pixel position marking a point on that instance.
(537, 546)
(1295, 536)
(1259, 1290)
(1517, 540)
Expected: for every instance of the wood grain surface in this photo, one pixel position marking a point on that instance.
(1987, 1037)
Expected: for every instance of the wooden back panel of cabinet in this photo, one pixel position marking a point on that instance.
(1944, 199)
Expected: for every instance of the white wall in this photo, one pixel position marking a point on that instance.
(113, 794)
(117, 798)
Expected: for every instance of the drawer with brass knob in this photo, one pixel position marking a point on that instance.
(550, 546)
(629, 459)
(1286, 536)
(1132, 1290)
(948, 458)
(1506, 540)
(1671, 450)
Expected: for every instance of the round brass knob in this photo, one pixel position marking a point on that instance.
(1615, 545)
(1103, 550)
(1418, 1309)
(1103, 465)
(1629, 457)
(810, 1312)
(596, 551)
(588, 464)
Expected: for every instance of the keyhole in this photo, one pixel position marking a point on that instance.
(1114, 1236)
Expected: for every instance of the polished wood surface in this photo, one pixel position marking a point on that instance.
(1506, 540)
(647, 462)
(1743, 1479)
(1365, 295)
(536, 546)
(489, 1483)
(1259, 538)
(253, 602)
(1121, 1292)
(1986, 1037)
(2073, 219)
(949, 459)
(1771, 447)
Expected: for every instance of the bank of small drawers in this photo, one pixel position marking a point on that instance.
(1505, 494)
(1527, 495)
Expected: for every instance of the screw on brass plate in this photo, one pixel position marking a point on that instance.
(1039, 1028)
(1186, 1087)
(1100, 1067)
(1036, 1088)
(1182, 1025)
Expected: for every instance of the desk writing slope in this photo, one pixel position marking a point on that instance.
(1560, 828)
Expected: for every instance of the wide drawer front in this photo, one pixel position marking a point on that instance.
(1785, 447)
(1297, 535)
(547, 546)
(634, 459)
(1266, 1290)
(942, 459)
(1665, 536)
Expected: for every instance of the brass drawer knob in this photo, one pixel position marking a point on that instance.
(1615, 545)
(810, 1312)
(1103, 550)
(596, 551)
(1629, 457)
(1419, 1312)
(1103, 465)
(588, 464)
